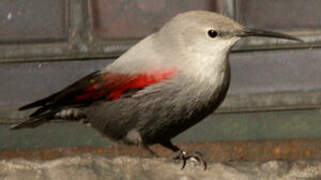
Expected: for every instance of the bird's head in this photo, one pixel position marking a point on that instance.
(203, 31)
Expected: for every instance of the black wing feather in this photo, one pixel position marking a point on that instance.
(61, 97)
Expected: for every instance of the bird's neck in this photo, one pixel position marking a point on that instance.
(209, 68)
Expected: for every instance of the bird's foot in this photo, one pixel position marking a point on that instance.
(195, 156)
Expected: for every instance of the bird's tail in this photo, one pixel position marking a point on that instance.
(33, 122)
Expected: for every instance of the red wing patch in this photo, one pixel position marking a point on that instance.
(95, 86)
(112, 85)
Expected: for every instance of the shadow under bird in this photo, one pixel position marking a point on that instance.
(166, 83)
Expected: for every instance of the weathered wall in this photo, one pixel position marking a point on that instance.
(47, 44)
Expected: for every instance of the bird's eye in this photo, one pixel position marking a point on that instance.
(212, 33)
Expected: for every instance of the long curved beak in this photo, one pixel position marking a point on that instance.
(258, 32)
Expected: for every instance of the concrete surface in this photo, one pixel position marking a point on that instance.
(94, 167)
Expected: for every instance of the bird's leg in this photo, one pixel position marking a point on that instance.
(134, 137)
(182, 155)
(151, 152)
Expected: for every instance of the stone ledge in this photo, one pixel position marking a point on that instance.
(90, 166)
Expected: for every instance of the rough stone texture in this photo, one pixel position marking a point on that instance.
(98, 167)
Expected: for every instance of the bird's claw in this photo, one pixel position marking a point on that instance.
(182, 155)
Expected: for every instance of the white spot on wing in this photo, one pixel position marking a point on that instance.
(9, 17)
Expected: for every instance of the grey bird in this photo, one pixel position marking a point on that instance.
(166, 83)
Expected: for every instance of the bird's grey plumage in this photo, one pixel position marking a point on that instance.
(195, 45)
(167, 108)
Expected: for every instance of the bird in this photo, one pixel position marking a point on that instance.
(160, 87)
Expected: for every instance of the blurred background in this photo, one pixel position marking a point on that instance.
(272, 110)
